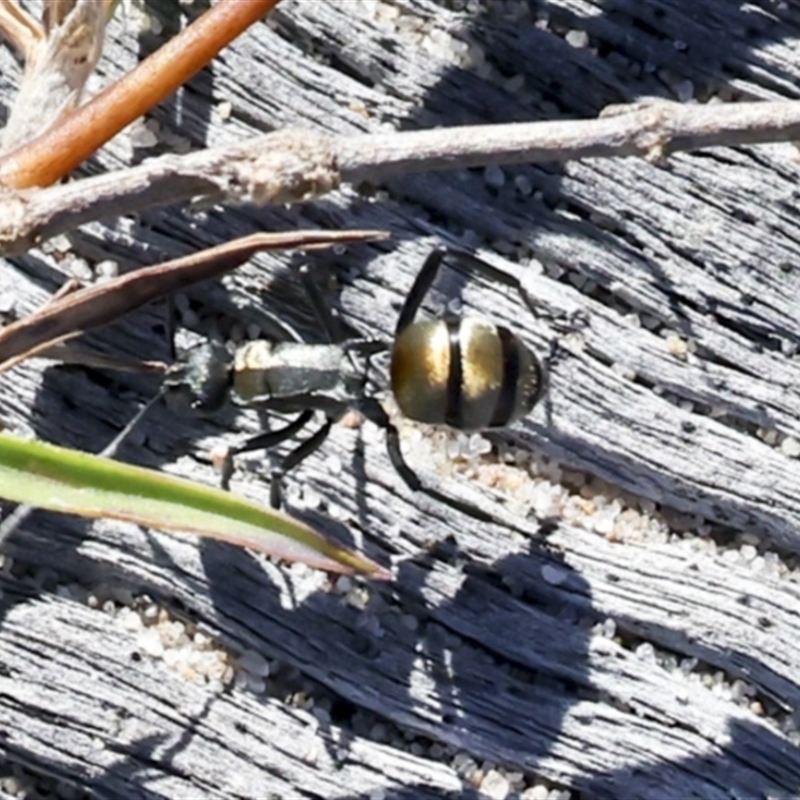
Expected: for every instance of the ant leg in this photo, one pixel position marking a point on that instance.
(269, 439)
(484, 268)
(262, 441)
(366, 347)
(330, 323)
(419, 289)
(374, 411)
(276, 328)
(292, 459)
(565, 322)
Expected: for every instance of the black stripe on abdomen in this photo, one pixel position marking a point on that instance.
(455, 377)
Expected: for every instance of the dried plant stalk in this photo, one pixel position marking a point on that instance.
(83, 309)
(292, 166)
(58, 62)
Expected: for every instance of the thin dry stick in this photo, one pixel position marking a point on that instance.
(99, 304)
(62, 148)
(295, 165)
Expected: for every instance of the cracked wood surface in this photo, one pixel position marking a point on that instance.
(491, 651)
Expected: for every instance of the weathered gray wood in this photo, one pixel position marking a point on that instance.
(491, 653)
(131, 713)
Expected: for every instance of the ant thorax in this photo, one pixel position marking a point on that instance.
(265, 370)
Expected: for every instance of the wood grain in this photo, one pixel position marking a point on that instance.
(492, 649)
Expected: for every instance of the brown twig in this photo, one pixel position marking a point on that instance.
(294, 165)
(62, 148)
(93, 306)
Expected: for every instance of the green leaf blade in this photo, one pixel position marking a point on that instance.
(46, 476)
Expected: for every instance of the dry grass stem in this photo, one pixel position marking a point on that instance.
(58, 62)
(19, 28)
(83, 309)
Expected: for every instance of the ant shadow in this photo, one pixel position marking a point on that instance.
(461, 697)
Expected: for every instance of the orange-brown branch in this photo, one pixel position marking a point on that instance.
(58, 151)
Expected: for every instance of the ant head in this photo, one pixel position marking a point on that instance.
(199, 381)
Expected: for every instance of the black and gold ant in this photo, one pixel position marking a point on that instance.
(460, 371)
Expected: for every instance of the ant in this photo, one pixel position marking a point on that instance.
(460, 371)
